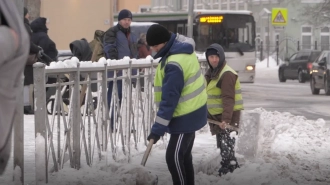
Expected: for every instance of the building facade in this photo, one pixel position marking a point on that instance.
(295, 36)
(70, 20)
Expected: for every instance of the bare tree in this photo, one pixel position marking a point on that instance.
(316, 14)
(34, 8)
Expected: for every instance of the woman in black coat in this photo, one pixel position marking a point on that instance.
(41, 38)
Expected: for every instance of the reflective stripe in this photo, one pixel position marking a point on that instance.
(238, 91)
(192, 94)
(162, 121)
(176, 64)
(157, 88)
(193, 78)
(238, 102)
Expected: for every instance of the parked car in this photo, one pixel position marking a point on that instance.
(297, 67)
(320, 74)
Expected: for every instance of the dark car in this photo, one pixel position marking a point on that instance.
(320, 74)
(297, 67)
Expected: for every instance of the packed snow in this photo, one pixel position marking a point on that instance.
(290, 150)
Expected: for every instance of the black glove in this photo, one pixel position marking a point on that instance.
(153, 136)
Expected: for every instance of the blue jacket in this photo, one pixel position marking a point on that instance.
(174, 82)
(118, 43)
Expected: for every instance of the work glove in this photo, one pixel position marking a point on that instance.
(153, 136)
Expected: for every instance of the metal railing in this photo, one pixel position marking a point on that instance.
(78, 126)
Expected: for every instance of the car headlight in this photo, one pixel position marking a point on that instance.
(249, 67)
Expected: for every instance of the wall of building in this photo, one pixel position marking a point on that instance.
(70, 20)
(134, 5)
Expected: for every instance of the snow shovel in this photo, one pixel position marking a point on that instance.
(145, 157)
(218, 123)
(147, 152)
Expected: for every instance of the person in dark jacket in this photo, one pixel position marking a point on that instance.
(81, 50)
(41, 38)
(34, 49)
(118, 42)
(225, 103)
(28, 70)
(180, 96)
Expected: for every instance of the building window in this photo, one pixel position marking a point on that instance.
(306, 37)
(325, 38)
(241, 6)
(232, 6)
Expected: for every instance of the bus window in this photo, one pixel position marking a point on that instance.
(231, 32)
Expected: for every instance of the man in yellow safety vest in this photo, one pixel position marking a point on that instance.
(180, 96)
(224, 104)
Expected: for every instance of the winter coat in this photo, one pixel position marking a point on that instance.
(81, 50)
(34, 49)
(226, 82)
(96, 46)
(119, 43)
(11, 70)
(41, 38)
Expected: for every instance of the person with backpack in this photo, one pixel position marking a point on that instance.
(119, 42)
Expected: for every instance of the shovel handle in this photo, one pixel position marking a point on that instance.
(147, 152)
(227, 126)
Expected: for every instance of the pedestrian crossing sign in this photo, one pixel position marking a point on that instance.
(279, 16)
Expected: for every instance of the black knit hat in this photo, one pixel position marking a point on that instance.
(25, 11)
(124, 13)
(211, 51)
(157, 34)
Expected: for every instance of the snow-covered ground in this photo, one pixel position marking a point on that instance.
(291, 151)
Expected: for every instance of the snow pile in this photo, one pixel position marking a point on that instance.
(116, 174)
(292, 150)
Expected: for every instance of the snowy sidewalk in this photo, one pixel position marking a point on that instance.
(294, 151)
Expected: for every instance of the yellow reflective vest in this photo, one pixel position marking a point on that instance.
(214, 101)
(193, 95)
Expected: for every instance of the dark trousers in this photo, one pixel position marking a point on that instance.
(179, 158)
(227, 149)
(110, 86)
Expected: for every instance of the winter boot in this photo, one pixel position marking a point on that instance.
(224, 168)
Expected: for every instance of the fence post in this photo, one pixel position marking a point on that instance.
(105, 112)
(298, 45)
(277, 51)
(315, 45)
(18, 176)
(40, 123)
(76, 117)
(261, 50)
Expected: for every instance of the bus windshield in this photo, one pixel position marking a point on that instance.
(232, 31)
